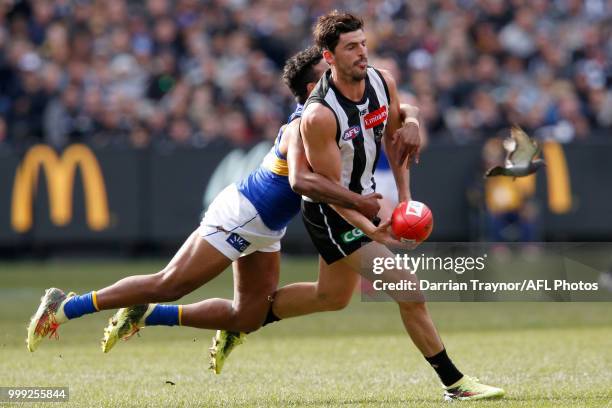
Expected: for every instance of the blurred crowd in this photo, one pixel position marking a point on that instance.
(195, 72)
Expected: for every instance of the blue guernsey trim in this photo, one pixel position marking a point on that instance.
(272, 197)
(163, 315)
(78, 306)
(383, 162)
(297, 113)
(276, 146)
(270, 193)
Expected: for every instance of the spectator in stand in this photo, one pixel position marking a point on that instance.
(149, 72)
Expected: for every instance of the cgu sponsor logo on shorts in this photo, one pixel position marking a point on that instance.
(351, 133)
(375, 118)
(352, 235)
(414, 208)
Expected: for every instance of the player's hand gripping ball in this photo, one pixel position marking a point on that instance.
(412, 221)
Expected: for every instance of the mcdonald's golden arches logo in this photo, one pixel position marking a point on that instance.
(60, 174)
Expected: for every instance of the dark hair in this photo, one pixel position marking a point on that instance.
(299, 72)
(329, 27)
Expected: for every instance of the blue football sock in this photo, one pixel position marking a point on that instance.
(164, 315)
(78, 306)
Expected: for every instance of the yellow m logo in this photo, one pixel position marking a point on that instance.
(60, 174)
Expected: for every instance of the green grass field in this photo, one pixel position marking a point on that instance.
(543, 354)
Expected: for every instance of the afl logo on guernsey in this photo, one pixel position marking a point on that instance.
(375, 118)
(351, 133)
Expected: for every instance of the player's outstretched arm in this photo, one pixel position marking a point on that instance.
(381, 234)
(318, 187)
(401, 138)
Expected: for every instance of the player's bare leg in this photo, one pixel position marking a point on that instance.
(332, 291)
(335, 287)
(420, 327)
(255, 280)
(195, 263)
(413, 310)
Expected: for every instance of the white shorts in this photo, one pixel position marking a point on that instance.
(232, 225)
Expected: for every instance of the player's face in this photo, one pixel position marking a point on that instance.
(351, 55)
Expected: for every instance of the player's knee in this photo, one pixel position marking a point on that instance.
(334, 302)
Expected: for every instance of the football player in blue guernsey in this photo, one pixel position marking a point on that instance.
(242, 227)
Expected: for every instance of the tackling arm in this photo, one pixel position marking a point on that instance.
(318, 130)
(318, 187)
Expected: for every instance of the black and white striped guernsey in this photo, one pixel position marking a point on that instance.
(360, 127)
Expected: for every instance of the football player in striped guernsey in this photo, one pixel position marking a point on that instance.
(352, 110)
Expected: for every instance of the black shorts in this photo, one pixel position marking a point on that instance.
(333, 237)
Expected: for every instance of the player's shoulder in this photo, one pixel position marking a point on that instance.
(292, 126)
(384, 74)
(318, 121)
(318, 114)
(384, 79)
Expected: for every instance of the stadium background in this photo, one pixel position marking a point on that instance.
(174, 99)
(164, 91)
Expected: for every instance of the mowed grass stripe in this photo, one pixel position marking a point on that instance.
(544, 355)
